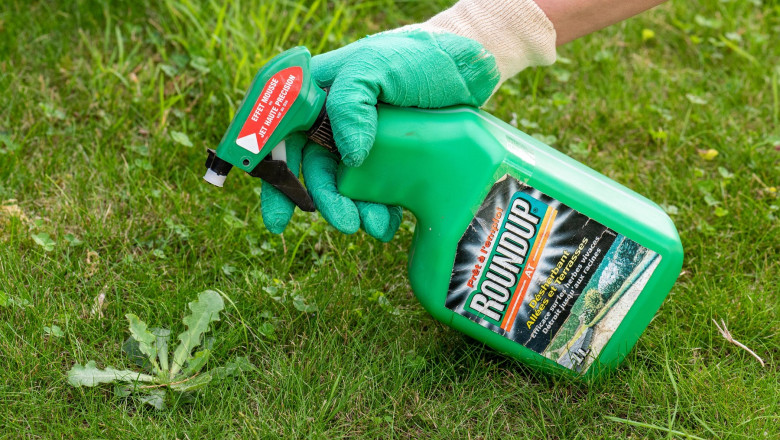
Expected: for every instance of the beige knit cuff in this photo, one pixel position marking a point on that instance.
(516, 32)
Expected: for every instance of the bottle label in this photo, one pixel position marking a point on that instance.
(546, 276)
(276, 98)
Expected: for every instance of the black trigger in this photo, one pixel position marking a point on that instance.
(278, 174)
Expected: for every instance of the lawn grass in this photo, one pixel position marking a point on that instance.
(92, 94)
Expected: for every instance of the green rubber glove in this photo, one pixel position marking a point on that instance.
(319, 172)
(409, 67)
(277, 208)
(346, 215)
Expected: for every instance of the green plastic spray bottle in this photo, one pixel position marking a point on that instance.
(516, 245)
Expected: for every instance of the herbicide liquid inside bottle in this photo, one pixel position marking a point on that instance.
(516, 244)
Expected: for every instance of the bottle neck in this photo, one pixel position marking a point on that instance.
(321, 131)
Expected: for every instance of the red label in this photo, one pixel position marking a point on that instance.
(273, 103)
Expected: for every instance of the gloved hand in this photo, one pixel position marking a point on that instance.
(379, 221)
(458, 57)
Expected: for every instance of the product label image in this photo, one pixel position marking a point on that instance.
(546, 276)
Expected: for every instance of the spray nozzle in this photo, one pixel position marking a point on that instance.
(273, 171)
(216, 169)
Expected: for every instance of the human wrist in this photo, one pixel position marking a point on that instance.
(574, 19)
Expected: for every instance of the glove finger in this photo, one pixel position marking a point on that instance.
(396, 215)
(275, 207)
(380, 221)
(319, 172)
(374, 217)
(351, 107)
(325, 67)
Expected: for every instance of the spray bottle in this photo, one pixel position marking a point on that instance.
(516, 244)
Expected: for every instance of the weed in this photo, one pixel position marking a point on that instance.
(161, 381)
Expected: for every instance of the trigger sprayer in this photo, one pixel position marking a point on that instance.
(281, 100)
(516, 244)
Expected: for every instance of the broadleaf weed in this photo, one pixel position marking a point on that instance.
(160, 381)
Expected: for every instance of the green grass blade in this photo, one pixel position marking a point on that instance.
(651, 426)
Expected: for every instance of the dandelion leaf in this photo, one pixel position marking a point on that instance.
(133, 351)
(196, 363)
(233, 368)
(89, 375)
(196, 383)
(163, 335)
(146, 340)
(155, 398)
(204, 311)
